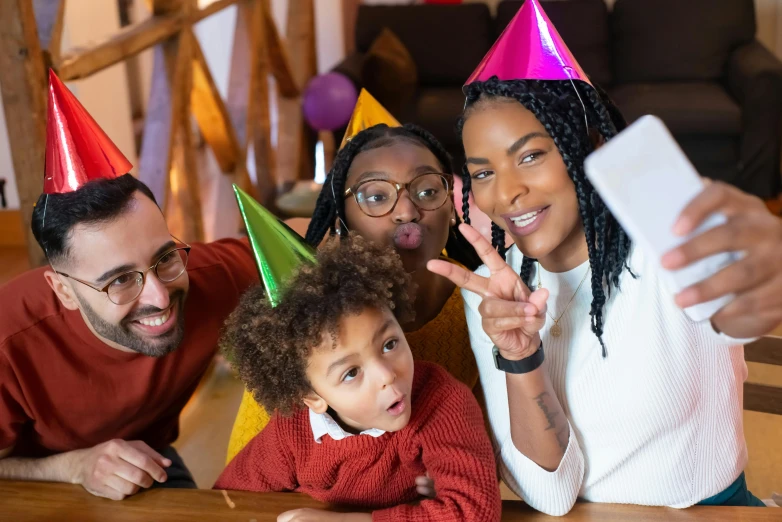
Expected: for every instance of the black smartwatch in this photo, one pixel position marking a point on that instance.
(524, 365)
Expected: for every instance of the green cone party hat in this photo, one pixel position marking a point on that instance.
(278, 250)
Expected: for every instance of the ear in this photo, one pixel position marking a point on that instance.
(597, 139)
(315, 402)
(63, 292)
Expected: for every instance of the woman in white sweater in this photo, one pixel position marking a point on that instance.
(635, 403)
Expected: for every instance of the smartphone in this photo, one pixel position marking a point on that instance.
(646, 181)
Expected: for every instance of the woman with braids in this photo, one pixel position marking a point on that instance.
(634, 402)
(392, 185)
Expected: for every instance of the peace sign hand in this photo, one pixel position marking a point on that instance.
(511, 316)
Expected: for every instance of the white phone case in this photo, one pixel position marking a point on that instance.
(646, 181)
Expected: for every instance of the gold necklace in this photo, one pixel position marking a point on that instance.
(556, 330)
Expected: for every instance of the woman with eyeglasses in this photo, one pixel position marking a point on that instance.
(394, 186)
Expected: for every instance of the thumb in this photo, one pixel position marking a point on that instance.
(154, 455)
(539, 298)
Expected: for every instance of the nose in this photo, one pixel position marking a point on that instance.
(510, 187)
(405, 211)
(386, 374)
(154, 293)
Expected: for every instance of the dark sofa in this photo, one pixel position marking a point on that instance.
(694, 63)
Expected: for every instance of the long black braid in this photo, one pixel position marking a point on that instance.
(330, 207)
(557, 106)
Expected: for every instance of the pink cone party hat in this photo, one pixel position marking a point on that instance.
(530, 48)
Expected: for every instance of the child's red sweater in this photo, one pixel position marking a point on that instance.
(445, 438)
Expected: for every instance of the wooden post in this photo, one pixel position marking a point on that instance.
(23, 86)
(238, 98)
(167, 163)
(296, 147)
(49, 16)
(211, 114)
(349, 16)
(259, 111)
(248, 99)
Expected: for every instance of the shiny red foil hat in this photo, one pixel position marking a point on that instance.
(77, 149)
(530, 48)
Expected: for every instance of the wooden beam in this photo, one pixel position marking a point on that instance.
(766, 350)
(238, 98)
(295, 145)
(185, 188)
(49, 15)
(349, 16)
(301, 40)
(167, 164)
(131, 40)
(158, 137)
(763, 398)
(260, 134)
(23, 87)
(159, 7)
(248, 101)
(279, 58)
(211, 114)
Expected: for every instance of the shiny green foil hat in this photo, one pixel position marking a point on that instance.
(277, 249)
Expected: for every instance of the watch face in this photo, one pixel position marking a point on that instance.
(496, 356)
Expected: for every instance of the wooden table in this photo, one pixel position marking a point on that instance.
(31, 501)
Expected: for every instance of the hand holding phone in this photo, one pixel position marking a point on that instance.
(646, 181)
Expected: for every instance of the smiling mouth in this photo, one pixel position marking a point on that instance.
(527, 219)
(156, 320)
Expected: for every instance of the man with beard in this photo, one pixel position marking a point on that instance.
(101, 350)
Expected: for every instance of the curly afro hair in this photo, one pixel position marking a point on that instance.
(270, 347)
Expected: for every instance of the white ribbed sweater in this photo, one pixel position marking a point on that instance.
(657, 422)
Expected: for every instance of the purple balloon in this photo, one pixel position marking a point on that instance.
(328, 101)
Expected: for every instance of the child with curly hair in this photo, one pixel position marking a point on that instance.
(355, 420)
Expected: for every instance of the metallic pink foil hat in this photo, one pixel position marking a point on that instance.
(530, 48)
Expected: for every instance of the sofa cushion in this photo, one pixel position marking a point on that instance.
(698, 108)
(582, 24)
(446, 41)
(678, 40)
(389, 72)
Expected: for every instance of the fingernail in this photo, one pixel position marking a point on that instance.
(166, 462)
(686, 298)
(682, 226)
(673, 259)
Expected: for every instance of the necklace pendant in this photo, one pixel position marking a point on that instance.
(555, 330)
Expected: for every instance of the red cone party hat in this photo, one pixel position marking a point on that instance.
(77, 149)
(530, 48)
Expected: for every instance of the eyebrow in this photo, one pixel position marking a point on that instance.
(376, 174)
(426, 169)
(513, 149)
(339, 362)
(380, 331)
(128, 267)
(342, 360)
(371, 174)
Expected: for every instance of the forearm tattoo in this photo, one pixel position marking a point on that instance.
(562, 433)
